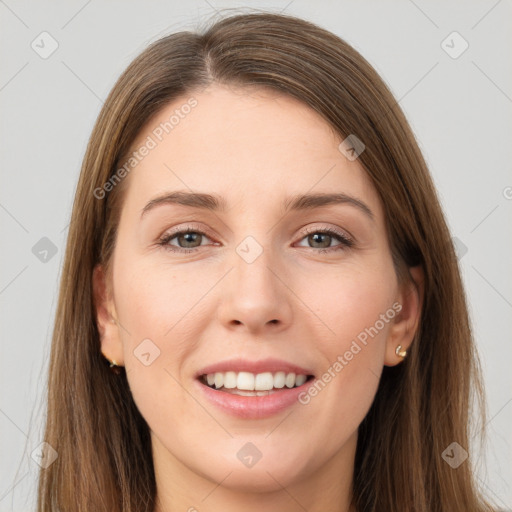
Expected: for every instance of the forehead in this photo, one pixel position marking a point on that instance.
(249, 145)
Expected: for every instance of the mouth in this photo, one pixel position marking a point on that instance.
(253, 384)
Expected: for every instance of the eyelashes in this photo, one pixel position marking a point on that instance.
(345, 241)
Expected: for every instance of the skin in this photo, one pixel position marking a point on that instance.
(254, 148)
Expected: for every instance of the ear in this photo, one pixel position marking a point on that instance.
(106, 317)
(406, 322)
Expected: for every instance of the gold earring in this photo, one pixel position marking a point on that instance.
(113, 365)
(399, 352)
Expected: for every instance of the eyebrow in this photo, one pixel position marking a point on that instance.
(217, 203)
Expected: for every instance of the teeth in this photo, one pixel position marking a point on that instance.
(290, 380)
(279, 380)
(246, 381)
(218, 380)
(300, 379)
(264, 381)
(230, 380)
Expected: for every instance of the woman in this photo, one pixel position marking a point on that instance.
(207, 353)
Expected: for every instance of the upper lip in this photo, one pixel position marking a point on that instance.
(244, 365)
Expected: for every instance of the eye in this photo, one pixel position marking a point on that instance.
(324, 237)
(188, 236)
(189, 239)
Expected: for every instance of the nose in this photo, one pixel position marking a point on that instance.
(256, 296)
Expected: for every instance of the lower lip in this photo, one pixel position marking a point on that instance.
(253, 407)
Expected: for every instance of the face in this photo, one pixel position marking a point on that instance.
(261, 282)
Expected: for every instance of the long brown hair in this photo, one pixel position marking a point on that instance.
(422, 406)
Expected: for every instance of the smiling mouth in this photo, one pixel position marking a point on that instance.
(249, 384)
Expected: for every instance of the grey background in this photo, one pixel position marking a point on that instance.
(459, 108)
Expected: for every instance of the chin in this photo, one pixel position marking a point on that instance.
(268, 475)
(260, 480)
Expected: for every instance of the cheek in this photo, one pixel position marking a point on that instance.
(157, 301)
(155, 307)
(164, 311)
(356, 307)
(351, 301)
